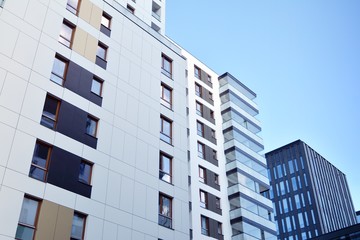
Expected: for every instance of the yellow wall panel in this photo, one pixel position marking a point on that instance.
(78, 44)
(91, 48)
(96, 14)
(85, 10)
(47, 221)
(64, 223)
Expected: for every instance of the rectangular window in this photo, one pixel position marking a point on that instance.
(165, 129)
(106, 20)
(202, 175)
(166, 96)
(216, 179)
(78, 226)
(73, 6)
(200, 128)
(130, 8)
(96, 86)
(165, 168)
(204, 225)
(213, 134)
(197, 72)
(199, 109)
(214, 154)
(50, 112)
(91, 126)
(203, 199)
(85, 172)
(212, 116)
(66, 33)
(201, 150)
(165, 211)
(198, 90)
(27, 221)
(211, 96)
(209, 79)
(101, 51)
(219, 229)
(40, 161)
(217, 203)
(59, 70)
(166, 65)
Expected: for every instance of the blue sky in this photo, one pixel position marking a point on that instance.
(302, 58)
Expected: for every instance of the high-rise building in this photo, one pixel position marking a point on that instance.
(83, 155)
(311, 196)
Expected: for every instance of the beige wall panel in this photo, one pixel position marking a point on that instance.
(85, 10)
(91, 47)
(96, 14)
(47, 221)
(78, 44)
(64, 223)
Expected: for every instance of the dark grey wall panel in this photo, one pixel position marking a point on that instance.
(209, 156)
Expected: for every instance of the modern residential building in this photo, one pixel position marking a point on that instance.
(83, 155)
(311, 196)
(349, 233)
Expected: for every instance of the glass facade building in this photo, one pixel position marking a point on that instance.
(310, 196)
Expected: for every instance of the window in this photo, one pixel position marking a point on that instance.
(204, 225)
(85, 172)
(165, 169)
(197, 90)
(27, 221)
(166, 96)
(199, 109)
(203, 199)
(50, 112)
(91, 126)
(101, 51)
(73, 6)
(197, 72)
(59, 70)
(216, 179)
(78, 226)
(212, 114)
(165, 211)
(214, 154)
(213, 135)
(166, 65)
(130, 9)
(106, 20)
(96, 86)
(165, 130)
(201, 150)
(209, 78)
(219, 229)
(40, 161)
(217, 203)
(211, 96)
(202, 174)
(200, 128)
(66, 33)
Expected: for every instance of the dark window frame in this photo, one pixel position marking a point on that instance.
(161, 170)
(62, 39)
(48, 158)
(63, 77)
(164, 70)
(161, 215)
(81, 215)
(88, 182)
(164, 136)
(96, 120)
(34, 227)
(73, 9)
(165, 102)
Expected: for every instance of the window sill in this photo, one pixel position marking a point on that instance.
(167, 142)
(167, 74)
(91, 136)
(170, 108)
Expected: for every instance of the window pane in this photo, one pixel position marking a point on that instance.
(65, 34)
(72, 6)
(77, 226)
(96, 87)
(105, 21)
(28, 211)
(24, 233)
(91, 126)
(49, 113)
(101, 52)
(85, 172)
(40, 155)
(58, 71)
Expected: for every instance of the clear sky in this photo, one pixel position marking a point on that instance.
(302, 58)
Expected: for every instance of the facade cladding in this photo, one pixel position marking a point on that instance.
(83, 155)
(311, 197)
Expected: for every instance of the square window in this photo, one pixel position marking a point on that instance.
(96, 86)
(130, 9)
(85, 172)
(166, 129)
(198, 90)
(165, 211)
(66, 33)
(91, 126)
(201, 150)
(199, 109)
(106, 20)
(40, 161)
(166, 96)
(73, 6)
(165, 168)
(50, 112)
(200, 128)
(59, 70)
(202, 175)
(204, 225)
(78, 226)
(203, 199)
(27, 221)
(197, 72)
(101, 51)
(166, 65)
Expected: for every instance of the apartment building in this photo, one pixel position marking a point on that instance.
(311, 196)
(83, 155)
